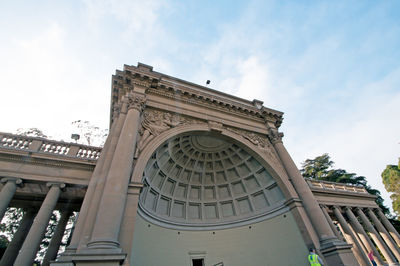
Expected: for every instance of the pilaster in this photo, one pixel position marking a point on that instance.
(105, 236)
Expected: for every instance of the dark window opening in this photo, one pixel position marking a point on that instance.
(198, 262)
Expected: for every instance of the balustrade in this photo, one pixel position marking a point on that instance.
(335, 186)
(39, 145)
(14, 141)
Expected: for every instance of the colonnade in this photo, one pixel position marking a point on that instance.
(366, 229)
(32, 228)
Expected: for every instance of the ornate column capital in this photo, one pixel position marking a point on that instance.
(116, 110)
(348, 208)
(136, 101)
(17, 181)
(274, 135)
(55, 184)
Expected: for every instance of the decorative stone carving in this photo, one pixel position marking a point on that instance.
(142, 82)
(274, 135)
(136, 101)
(155, 122)
(116, 110)
(216, 126)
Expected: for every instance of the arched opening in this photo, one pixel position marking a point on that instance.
(201, 181)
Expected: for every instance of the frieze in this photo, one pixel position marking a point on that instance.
(159, 84)
(155, 122)
(208, 102)
(84, 165)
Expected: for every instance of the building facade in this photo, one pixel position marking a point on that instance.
(188, 176)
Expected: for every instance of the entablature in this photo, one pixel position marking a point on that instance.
(166, 86)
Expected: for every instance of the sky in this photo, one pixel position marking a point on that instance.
(333, 67)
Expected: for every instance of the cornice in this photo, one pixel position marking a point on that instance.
(208, 102)
(174, 88)
(335, 193)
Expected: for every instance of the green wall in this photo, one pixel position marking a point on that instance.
(276, 241)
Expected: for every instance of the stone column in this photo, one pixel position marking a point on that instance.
(7, 193)
(13, 248)
(358, 251)
(31, 244)
(363, 235)
(389, 227)
(87, 215)
(330, 222)
(305, 194)
(364, 249)
(112, 204)
(56, 239)
(377, 239)
(385, 235)
(334, 250)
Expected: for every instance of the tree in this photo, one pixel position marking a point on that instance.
(31, 132)
(391, 180)
(321, 168)
(90, 134)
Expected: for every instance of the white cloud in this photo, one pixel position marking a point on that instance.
(46, 83)
(362, 139)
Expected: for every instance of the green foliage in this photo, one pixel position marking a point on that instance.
(10, 222)
(316, 168)
(4, 241)
(321, 168)
(391, 180)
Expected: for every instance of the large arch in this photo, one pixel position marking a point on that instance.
(273, 167)
(260, 233)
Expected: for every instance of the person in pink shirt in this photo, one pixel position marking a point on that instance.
(371, 258)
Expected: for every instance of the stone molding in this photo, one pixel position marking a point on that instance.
(148, 216)
(51, 162)
(183, 91)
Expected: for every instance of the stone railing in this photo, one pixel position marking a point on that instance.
(335, 186)
(40, 145)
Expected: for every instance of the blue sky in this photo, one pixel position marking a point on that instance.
(331, 66)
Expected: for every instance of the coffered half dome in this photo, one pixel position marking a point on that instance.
(200, 181)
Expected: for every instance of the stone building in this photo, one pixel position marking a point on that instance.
(187, 176)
